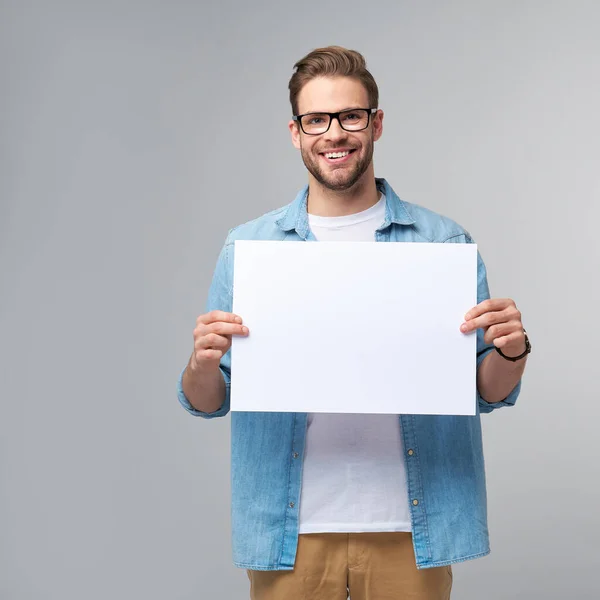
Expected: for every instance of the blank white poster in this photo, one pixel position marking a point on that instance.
(354, 327)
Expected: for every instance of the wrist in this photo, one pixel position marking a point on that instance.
(202, 369)
(512, 353)
(513, 350)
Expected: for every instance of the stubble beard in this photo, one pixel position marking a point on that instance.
(339, 179)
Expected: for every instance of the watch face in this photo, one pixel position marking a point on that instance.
(527, 343)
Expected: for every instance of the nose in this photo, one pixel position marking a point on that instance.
(335, 131)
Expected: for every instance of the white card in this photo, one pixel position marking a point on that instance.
(354, 327)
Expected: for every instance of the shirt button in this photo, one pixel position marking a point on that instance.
(292, 505)
(415, 502)
(295, 455)
(411, 452)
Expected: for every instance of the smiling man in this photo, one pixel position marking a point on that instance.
(323, 505)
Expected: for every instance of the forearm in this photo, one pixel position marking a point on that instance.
(497, 377)
(205, 390)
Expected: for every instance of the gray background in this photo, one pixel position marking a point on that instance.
(135, 134)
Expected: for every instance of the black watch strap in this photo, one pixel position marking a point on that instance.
(523, 355)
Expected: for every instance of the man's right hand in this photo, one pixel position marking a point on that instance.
(212, 338)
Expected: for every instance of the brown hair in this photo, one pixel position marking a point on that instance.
(333, 61)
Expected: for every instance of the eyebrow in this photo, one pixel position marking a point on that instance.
(316, 112)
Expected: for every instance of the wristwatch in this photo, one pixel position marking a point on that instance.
(516, 358)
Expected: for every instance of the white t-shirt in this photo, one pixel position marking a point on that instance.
(354, 476)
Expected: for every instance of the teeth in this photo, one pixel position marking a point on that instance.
(336, 154)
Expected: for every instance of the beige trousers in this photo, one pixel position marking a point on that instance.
(367, 566)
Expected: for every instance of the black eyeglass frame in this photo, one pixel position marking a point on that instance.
(332, 116)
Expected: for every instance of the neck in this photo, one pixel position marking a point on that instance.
(324, 202)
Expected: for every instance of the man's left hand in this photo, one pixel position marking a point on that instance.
(501, 322)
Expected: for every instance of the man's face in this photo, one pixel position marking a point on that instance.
(326, 94)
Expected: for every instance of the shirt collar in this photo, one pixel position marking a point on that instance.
(295, 216)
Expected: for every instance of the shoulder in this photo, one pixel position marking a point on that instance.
(261, 228)
(435, 227)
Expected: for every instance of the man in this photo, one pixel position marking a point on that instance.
(378, 506)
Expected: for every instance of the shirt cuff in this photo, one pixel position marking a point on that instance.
(487, 407)
(221, 412)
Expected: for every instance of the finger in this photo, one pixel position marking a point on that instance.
(218, 315)
(517, 338)
(209, 354)
(223, 328)
(486, 320)
(489, 305)
(501, 329)
(512, 313)
(212, 340)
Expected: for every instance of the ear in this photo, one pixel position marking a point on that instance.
(377, 125)
(295, 131)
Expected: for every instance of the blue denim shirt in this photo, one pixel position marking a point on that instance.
(443, 454)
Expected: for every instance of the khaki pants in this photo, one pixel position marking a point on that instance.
(368, 566)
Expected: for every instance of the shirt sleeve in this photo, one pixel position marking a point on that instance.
(220, 297)
(483, 349)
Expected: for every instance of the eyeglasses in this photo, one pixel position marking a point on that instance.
(317, 123)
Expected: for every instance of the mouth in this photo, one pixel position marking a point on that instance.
(336, 157)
